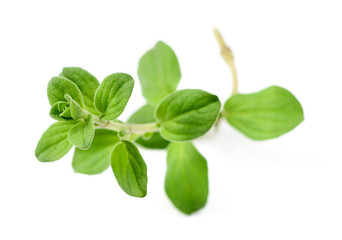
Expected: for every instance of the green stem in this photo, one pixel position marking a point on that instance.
(128, 127)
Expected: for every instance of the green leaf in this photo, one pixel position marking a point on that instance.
(187, 114)
(75, 109)
(59, 86)
(66, 113)
(54, 144)
(145, 114)
(154, 142)
(113, 94)
(159, 73)
(57, 109)
(265, 114)
(87, 84)
(97, 158)
(129, 169)
(82, 134)
(186, 181)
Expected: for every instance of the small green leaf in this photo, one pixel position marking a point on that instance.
(57, 109)
(59, 86)
(154, 142)
(113, 94)
(159, 72)
(66, 113)
(186, 181)
(187, 114)
(147, 135)
(82, 134)
(265, 114)
(97, 158)
(129, 169)
(75, 109)
(54, 144)
(87, 84)
(145, 114)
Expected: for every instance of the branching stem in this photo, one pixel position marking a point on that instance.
(127, 127)
(228, 57)
(135, 130)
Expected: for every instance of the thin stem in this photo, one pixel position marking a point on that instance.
(228, 57)
(128, 127)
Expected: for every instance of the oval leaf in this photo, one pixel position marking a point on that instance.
(187, 114)
(82, 134)
(145, 114)
(54, 144)
(75, 109)
(57, 109)
(129, 169)
(87, 84)
(113, 94)
(59, 86)
(97, 158)
(186, 181)
(159, 72)
(265, 114)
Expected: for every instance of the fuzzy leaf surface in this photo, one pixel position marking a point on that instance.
(97, 158)
(129, 169)
(57, 110)
(187, 114)
(59, 86)
(82, 134)
(266, 114)
(66, 114)
(54, 144)
(159, 72)
(186, 181)
(87, 84)
(145, 114)
(113, 94)
(75, 109)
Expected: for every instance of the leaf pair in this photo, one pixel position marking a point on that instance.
(127, 164)
(75, 126)
(60, 137)
(86, 83)
(67, 103)
(69, 94)
(159, 75)
(264, 115)
(107, 99)
(65, 99)
(66, 110)
(183, 115)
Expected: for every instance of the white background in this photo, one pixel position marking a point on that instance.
(286, 188)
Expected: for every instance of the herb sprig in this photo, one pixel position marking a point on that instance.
(87, 117)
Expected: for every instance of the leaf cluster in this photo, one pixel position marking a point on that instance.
(87, 113)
